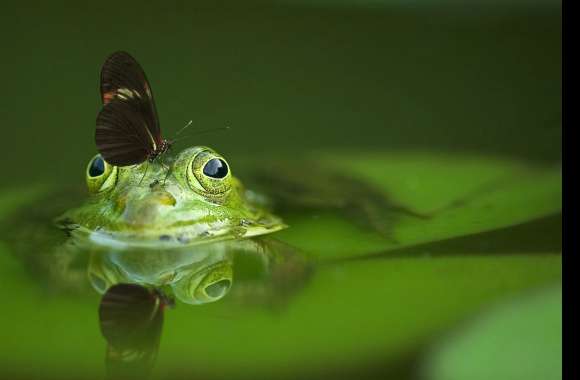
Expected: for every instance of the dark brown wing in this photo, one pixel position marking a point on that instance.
(122, 78)
(131, 320)
(122, 134)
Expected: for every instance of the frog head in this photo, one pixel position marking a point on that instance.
(192, 199)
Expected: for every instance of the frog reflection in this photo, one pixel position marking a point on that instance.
(271, 271)
(138, 286)
(194, 278)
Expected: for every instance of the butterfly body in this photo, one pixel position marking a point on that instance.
(164, 146)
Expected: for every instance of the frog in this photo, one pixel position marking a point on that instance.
(197, 202)
(176, 226)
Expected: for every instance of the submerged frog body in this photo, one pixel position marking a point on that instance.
(176, 228)
(197, 201)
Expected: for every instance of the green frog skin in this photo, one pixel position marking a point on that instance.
(197, 201)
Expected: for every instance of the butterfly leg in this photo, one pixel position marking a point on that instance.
(144, 174)
(168, 170)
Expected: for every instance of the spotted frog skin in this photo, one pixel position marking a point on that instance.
(194, 200)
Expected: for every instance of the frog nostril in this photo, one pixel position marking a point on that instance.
(165, 198)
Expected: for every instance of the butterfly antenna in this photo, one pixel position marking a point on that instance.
(184, 128)
(203, 131)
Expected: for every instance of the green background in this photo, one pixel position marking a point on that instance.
(435, 96)
(453, 77)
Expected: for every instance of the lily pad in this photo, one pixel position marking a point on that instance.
(459, 195)
(521, 339)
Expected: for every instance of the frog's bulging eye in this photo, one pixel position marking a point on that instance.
(209, 173)
(97, 167)
(216, 168)
(100, 175)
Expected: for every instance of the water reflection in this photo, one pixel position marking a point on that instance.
(131, 321)
(269, 271)
(139, 285)
(194, 277)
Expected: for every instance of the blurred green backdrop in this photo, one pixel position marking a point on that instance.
(452, 76)
(479, 78)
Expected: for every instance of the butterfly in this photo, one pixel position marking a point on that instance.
(128, 131)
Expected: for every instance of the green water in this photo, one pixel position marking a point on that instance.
(429, 104)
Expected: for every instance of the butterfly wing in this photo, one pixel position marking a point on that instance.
(123, 79)
(123, 134)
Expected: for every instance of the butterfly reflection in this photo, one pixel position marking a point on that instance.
(131, 321)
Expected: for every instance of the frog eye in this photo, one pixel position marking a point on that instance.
(218, 289)
(215, 168)
(209, 173)
(100, 175)
(208, 285)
